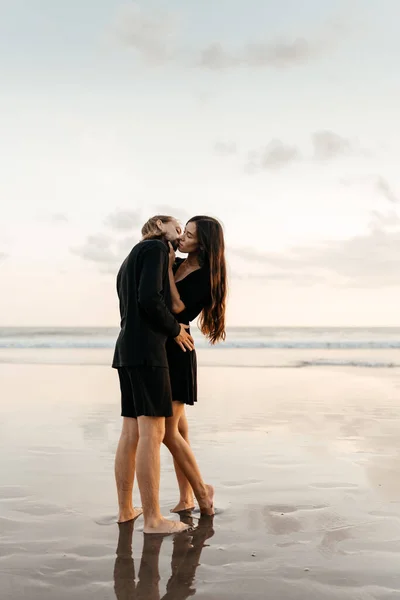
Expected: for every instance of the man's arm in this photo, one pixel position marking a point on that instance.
(155, 262)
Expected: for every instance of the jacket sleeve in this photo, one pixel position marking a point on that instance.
(150, 297)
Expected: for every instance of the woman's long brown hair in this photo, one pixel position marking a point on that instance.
(210, 236)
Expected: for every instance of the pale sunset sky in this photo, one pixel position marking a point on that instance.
(279, 118)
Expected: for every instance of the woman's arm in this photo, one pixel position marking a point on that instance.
(177, 304)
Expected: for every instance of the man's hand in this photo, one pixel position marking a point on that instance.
(184, 339)
(171, 255)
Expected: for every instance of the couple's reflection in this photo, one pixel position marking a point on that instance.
(187, 548)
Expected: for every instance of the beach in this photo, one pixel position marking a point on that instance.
(305, 463)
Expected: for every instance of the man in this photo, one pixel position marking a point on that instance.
(140, 357)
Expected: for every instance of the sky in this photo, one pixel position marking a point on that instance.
(280, 119)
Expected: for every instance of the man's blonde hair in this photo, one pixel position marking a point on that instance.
(150, 229)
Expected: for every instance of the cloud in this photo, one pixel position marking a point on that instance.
(151, 34)
(155, 37)
(379, 183)
(105, 251)
(274, 156)
(124, 220)
(125, 245)
(59, 218)
(329, 145)
(98, 249)
(278, 154)
(383, 187)
(278, 54)
(225, 148)
(215, 57)
(384, 221)
(108, 250)
(368, 260)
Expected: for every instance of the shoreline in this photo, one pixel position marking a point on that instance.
(299, 358)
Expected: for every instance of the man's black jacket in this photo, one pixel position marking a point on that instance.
(145, 307)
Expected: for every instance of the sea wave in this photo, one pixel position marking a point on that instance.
(302, 364)
(247, 338)
(88, 344)
(205, 360)
(366, 364)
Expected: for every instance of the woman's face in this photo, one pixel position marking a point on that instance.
(189, 242)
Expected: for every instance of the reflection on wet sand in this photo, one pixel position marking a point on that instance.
(306, 470)
(187, 548)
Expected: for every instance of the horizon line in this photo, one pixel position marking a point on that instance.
(195, 326)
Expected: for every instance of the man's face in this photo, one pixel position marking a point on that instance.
(172, 231)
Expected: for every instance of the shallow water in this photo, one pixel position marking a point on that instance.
(306, 468)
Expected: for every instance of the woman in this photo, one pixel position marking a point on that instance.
(198, 287)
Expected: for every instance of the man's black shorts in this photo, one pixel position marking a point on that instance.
(145, 391)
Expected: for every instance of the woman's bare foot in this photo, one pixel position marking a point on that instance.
(207, 505)
(183, 506)
(129, 515)
(166, 527)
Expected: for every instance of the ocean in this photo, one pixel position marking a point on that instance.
(294, 346)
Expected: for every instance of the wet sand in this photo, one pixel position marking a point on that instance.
(305, 462)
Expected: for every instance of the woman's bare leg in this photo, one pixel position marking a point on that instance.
(186, 497)
(183, 454)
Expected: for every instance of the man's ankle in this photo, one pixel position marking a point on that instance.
(153, 520)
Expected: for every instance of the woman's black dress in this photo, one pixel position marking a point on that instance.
(194, 290)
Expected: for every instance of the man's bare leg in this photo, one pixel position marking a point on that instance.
(125, 470)
(151, 434)
(183, 454)
(186, 497)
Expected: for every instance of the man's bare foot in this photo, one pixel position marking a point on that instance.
(183, 506)
(166, 527)
(129, 515)
(207, 505)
